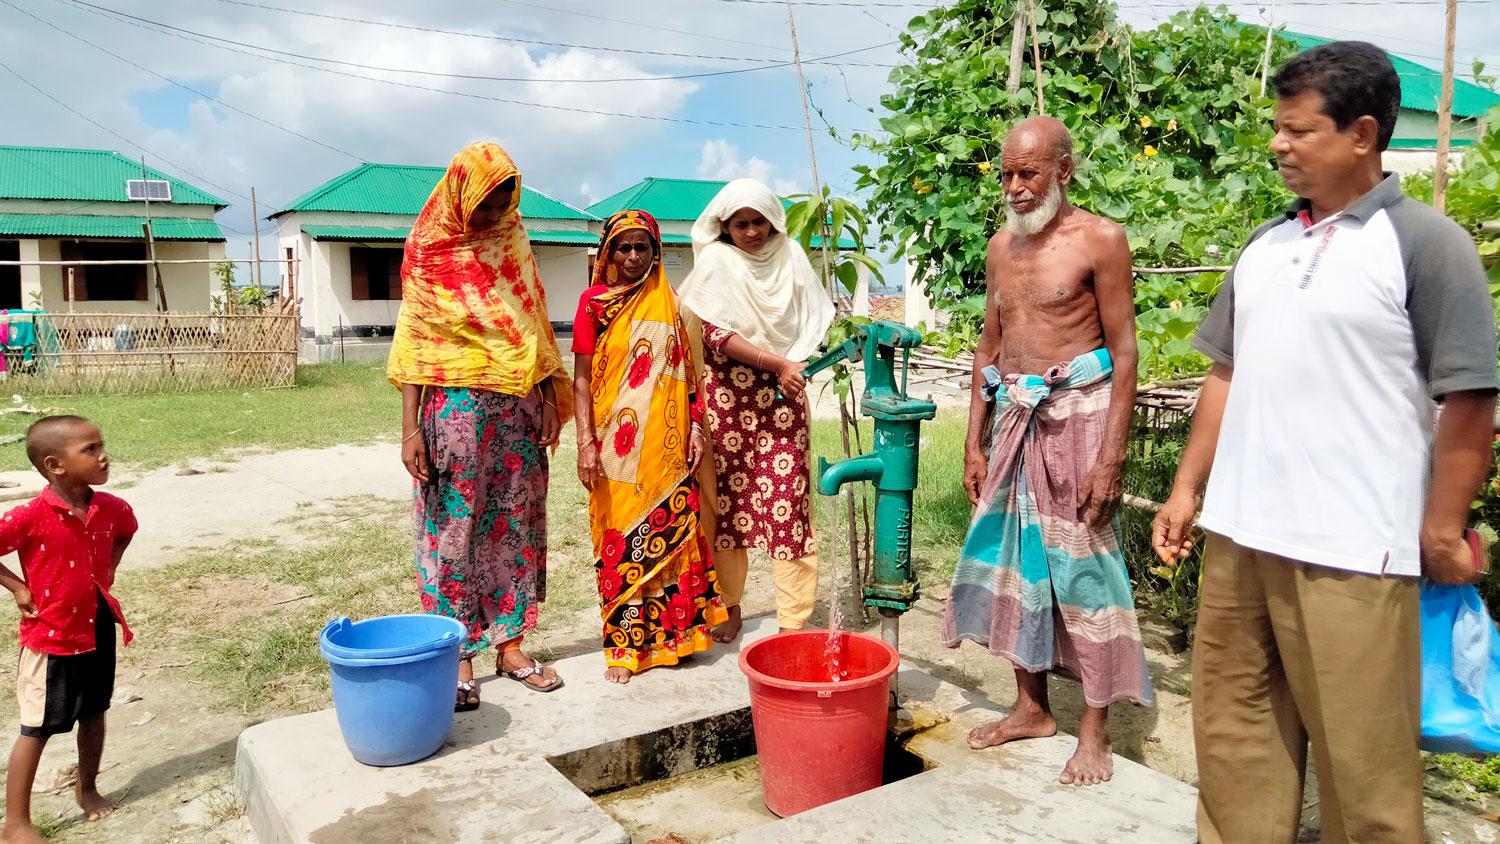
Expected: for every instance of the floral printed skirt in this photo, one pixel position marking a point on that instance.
(481, 519)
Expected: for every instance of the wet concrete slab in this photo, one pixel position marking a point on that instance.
(518, 769)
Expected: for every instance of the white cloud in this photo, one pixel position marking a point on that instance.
(721, 160)
(582, 136)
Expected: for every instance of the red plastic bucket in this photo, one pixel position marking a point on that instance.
(818, 740)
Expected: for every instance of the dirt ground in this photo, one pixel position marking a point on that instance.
(170, 753)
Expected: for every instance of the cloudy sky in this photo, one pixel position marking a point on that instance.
(286, 94)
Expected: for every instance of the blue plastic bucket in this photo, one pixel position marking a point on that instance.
(393, 682)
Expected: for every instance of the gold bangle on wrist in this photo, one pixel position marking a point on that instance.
(409, 436)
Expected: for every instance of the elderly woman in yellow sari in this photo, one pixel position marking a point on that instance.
(481, 380)
(640, 439)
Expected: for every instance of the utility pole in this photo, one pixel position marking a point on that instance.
(812, 153)
(255, 227)
(1445, 113)
(1036, 56)
(1017, 49)
(161, 290)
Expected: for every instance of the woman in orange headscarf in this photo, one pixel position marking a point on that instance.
(482, 384)
(640, 439)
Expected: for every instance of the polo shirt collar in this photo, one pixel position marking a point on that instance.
(53, 500)
(1384, 194)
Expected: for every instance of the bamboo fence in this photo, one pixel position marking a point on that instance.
(94, 353)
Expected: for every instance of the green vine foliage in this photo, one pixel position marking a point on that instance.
(1474, 196)
(1169, 126)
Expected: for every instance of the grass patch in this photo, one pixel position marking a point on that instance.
(248, 617)
(1482, 775)
(941, 516)
(332, 404)
(52, 826)
(941, 510)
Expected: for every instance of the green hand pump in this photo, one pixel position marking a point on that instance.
(890, 587)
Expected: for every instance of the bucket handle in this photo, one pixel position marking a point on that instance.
(340, 623)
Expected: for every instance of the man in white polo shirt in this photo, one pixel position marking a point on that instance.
(1338, 327)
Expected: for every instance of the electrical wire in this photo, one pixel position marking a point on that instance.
(626, 22)
(413, 86)
(466, 76)
(181, 85)
(60, 103)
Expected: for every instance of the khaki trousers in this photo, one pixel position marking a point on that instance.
(1288, 653)
(796, 584)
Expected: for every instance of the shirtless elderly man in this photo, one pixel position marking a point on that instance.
(1041, 580)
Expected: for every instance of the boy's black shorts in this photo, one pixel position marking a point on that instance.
(55, 691)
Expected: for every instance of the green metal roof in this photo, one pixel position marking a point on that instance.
(1421, 86)
(98, 225)
(664, 199)
(563, 238)
(403, 189)
(677, 200)
(1427, 143)
(357, 232)
(83, 175)
(398, 233)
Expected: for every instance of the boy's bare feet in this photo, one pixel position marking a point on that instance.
(727, 631)
(617, 674)
(95, 806)
(1021, 724)
(1092, 762)
(21, 833)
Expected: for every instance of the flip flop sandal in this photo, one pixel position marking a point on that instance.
(535, 667)
(470, 701)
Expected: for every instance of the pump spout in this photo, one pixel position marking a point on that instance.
(831, 476)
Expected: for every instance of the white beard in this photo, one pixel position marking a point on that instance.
(1033, 221)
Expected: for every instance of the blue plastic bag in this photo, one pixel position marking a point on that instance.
(1460, 671)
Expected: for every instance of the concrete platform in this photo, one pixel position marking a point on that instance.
(500, 776)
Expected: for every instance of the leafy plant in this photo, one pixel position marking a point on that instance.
(231, 299)
(816, 220)
(1169, 126)
(1473, 197)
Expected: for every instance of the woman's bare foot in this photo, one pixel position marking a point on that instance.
(617, 674)
(95, 806)
(1092, 762)
(730, 628)
(1035, 723)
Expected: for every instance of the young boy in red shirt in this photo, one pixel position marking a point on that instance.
(70, 540)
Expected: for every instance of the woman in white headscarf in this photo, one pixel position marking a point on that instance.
(764, 314)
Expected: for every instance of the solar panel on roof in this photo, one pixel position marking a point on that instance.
(154, 190)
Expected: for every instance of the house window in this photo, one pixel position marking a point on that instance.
(106, 283)
(10, 277)
(374, 273)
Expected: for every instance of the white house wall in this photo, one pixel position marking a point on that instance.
(325, 286)
(188, 286)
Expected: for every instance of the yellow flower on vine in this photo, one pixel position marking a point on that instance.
(1172, 125)
(1150, 151)
(1145, 122)
(985, 167)
(920, 186)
